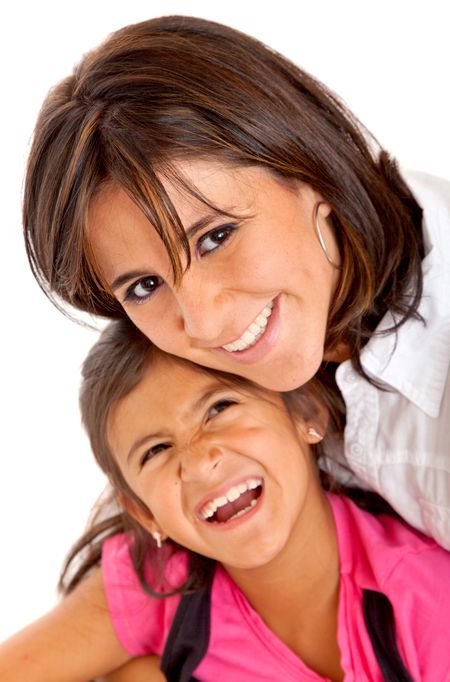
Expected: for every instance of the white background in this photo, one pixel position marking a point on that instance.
(390, 61)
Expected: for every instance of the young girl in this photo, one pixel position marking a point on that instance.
(226, 556)
(193, 179)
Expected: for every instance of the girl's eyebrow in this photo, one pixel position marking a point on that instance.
(189, 413)
(142, 441)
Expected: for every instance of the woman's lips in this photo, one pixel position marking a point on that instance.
(253, 332)
(263, 345)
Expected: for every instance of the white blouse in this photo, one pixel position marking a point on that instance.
(397, 442)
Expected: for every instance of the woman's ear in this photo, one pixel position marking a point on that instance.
(141, 515)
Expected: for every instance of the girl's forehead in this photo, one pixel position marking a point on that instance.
(176, 388)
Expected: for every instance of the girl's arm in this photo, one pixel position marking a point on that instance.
(75, 642)
(138, 670)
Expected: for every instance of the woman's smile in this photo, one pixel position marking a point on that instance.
(265, 341)
(253, 333)
(256, 296)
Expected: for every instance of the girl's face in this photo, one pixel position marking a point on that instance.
(224, 470)
(255, 300)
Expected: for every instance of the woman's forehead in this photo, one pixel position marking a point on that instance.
(197, 189)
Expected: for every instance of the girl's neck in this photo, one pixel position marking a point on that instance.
(297, 594)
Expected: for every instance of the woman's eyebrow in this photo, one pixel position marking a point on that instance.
(211, 217)
(200, 224)
(126, 277)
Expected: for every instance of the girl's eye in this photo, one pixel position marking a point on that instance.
(219, 407)
(152, 452)
(140, 291)
(214, 239)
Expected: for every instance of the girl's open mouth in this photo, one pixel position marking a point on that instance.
(238, 501)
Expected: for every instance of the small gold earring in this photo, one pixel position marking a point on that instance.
(314, 433)
(157, 538)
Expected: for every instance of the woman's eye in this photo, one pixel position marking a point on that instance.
(140, 291)
(219, 407)
(153, 451)
(215, 238)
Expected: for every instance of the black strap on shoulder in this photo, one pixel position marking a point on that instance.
(188, 638)
(380, 623)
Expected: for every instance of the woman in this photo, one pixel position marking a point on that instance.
(189, 177)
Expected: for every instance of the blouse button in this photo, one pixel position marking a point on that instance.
(356, 449)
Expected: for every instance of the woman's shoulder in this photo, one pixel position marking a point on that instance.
(433, 195)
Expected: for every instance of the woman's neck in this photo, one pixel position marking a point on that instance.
(297, 593)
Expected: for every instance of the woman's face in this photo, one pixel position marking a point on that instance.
(255, 299)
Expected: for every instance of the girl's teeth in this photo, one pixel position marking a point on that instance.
(253, 333)
(244, 511)
(231, 496)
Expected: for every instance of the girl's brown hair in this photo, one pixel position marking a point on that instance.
(181, 87)
(115, 365)
(113, 368)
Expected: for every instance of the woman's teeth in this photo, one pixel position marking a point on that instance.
(253, 332)
(231, 495)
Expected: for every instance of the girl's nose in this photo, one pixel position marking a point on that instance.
(200, 461)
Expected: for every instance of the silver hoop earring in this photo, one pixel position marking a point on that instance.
(157, 538)
(320, 235)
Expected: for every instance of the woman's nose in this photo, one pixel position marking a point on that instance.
(205, 310)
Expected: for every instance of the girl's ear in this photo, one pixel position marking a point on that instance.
(140, 514)
(311, 434)
(313, 430)
(308, 411)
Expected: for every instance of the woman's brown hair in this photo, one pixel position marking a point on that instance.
(181, 87)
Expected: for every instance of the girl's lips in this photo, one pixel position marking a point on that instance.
(233, 522)
(264, 344)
